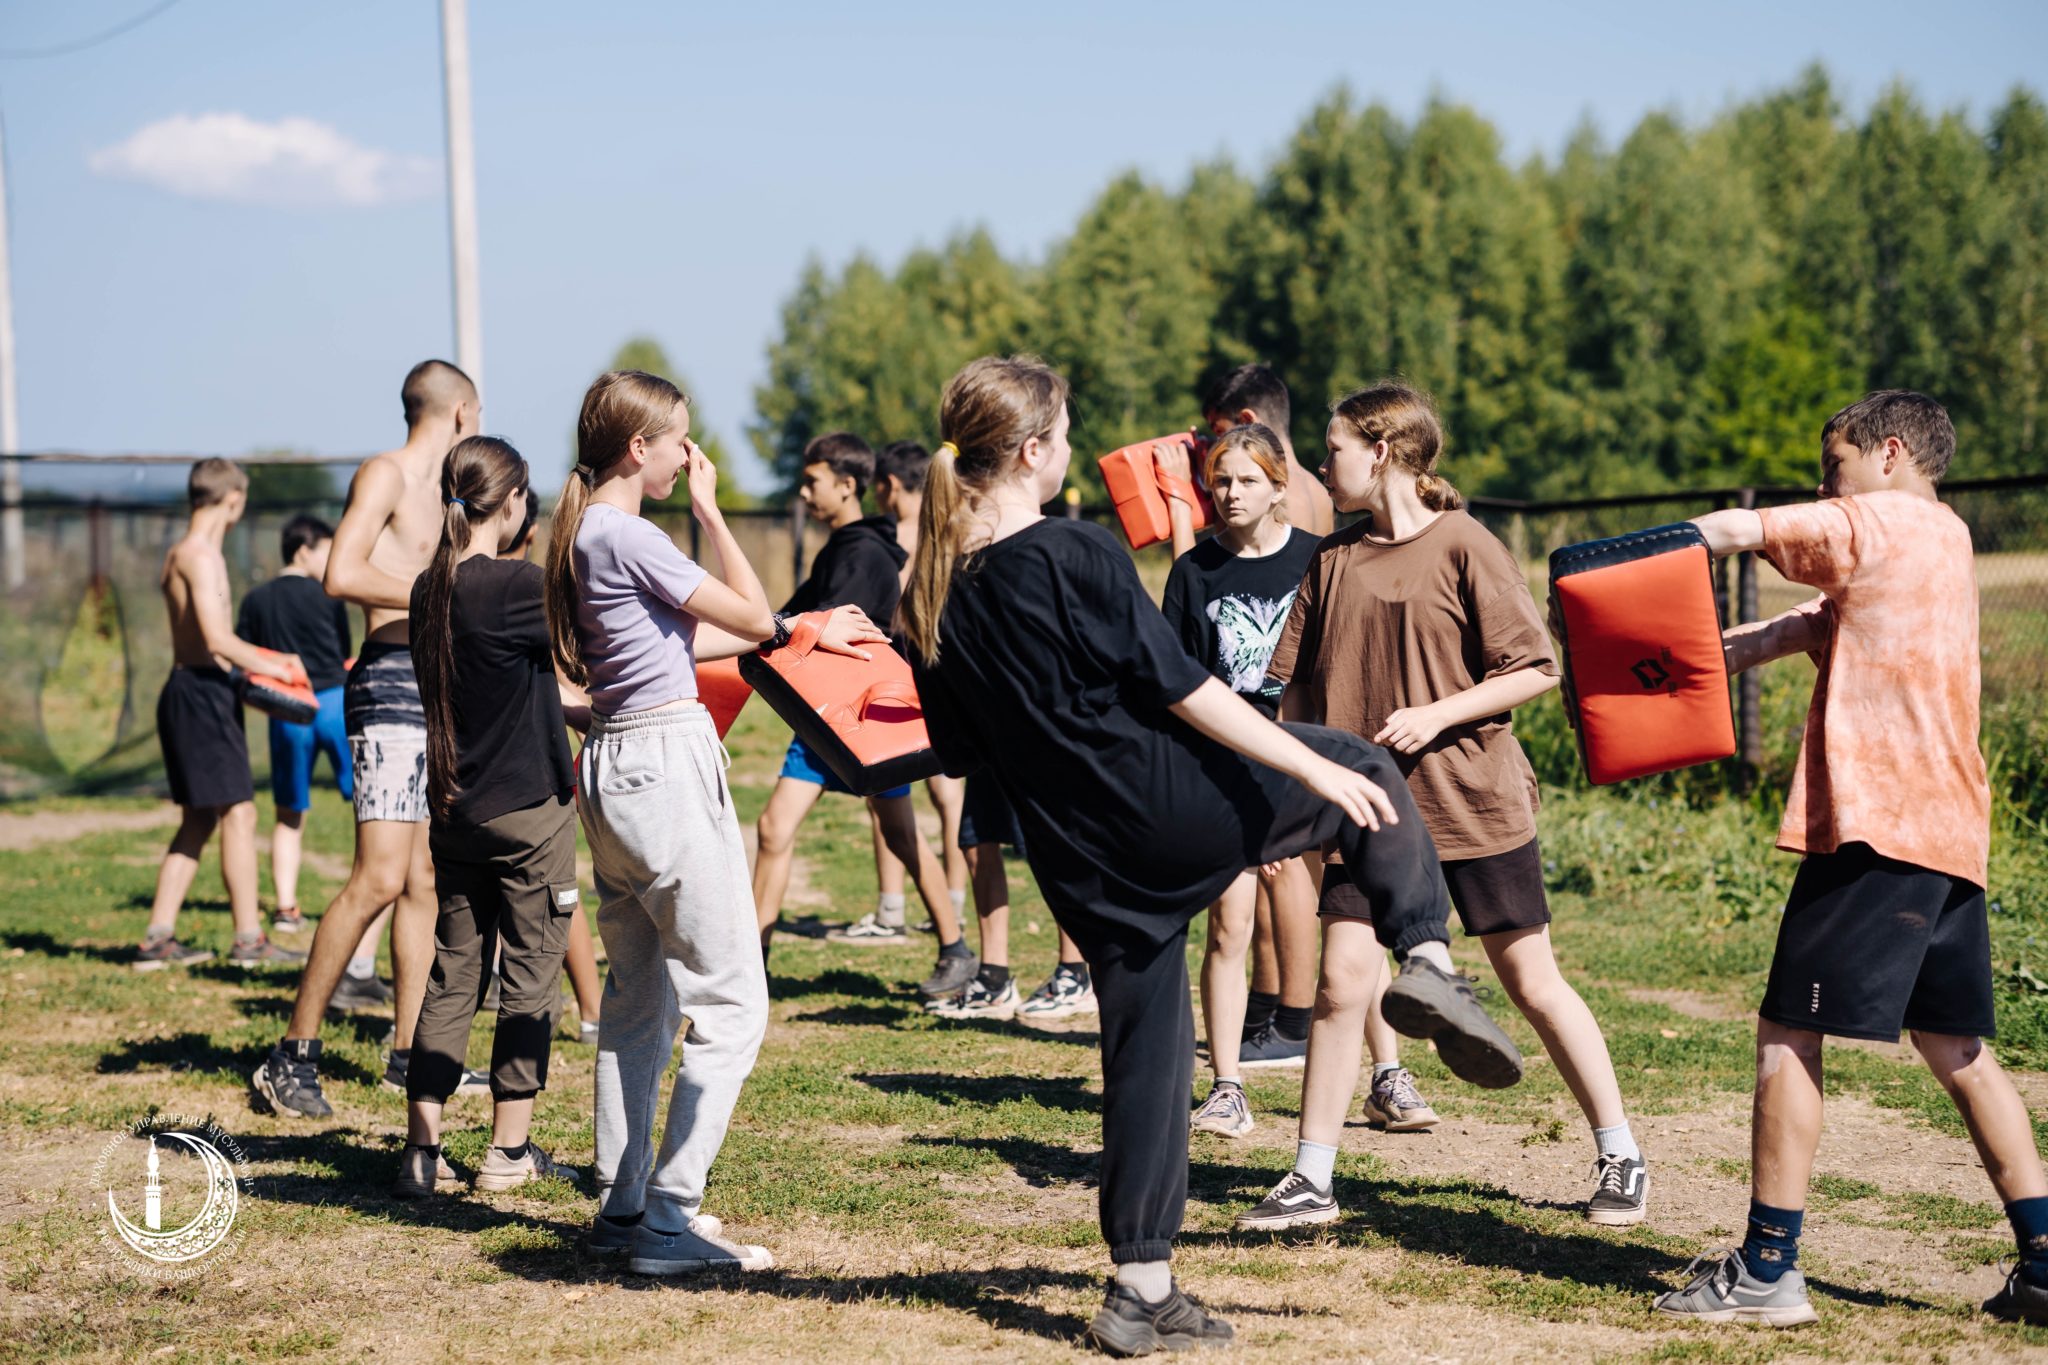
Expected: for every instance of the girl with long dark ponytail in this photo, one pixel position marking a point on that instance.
(502, 826)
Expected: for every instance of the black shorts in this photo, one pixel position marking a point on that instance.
(986, 816)
(1492, 895)
(1871, 946)
(206, 753)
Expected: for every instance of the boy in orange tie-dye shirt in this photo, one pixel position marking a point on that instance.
(1885, 927)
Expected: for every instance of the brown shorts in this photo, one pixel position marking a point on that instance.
(1494, 894)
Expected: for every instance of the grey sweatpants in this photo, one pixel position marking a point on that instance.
(676, 910)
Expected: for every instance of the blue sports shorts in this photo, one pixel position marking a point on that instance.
(803, 764)
(295, 748)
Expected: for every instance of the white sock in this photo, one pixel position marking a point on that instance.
(1617, 1141)
(1380, 1069)
(1437, 955)
(1152, 1281)
(362, 968)
(1315, 1161)
(959, 899)
(890, 909)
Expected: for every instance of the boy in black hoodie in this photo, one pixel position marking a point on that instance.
(860, 563)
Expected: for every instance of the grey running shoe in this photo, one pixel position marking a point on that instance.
(1726, 1292)
(1064, 994)
(950, 976)
(1226, 1112)
(422, 1172)
(156, 954)
(2019, 1301)
(1396, 1105)
(977, 1001)
(1126, 1325)
(288, 921)
(261, 952)
(1427, 1003)
(359, 993)
(1295, 1202)
(500, 1172)
(1621, 1190)
(288, 1082)
(701, 1246)
(397, 1064)
(1269, 1048)
(869, 930)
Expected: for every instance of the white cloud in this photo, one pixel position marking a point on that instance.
(294, 162)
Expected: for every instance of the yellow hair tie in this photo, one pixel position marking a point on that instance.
(948, 450)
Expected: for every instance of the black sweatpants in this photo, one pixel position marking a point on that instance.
(1148, 1029)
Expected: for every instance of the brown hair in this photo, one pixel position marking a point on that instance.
(616, 407)
(990, 409)
(212, 479)
(433, 388)
(1254, 388)
(846, 455)
(1257, 440)
(1406, 420)
(1920, 423)
(480, 473)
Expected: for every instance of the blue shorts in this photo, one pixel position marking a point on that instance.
(803, 764)
(295, 748)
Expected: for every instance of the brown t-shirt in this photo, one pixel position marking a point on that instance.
(1382, 625)
(1890, 755)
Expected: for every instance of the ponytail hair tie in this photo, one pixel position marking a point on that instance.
(457, 502)
(584, 472)
(946, 451)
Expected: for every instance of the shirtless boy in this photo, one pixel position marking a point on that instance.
(385, 540)
(199, 724)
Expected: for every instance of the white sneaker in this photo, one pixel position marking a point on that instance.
(1063, 995)
(1226, 1112)
(868, 929)
(977, 1001)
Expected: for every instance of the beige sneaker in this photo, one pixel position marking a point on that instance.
(500, 1173)
(1395, 1104)
(416, 1181)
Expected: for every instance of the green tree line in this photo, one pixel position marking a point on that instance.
(1680, 310)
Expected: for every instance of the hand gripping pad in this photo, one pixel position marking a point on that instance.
(860, 715)
(723, 692)
(292, 702)
(1132, 480)
(1645, 678)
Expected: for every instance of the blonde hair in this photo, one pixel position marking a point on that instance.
(616, 407)
(212, 480)
(990, 409)
(1256, 440)
(1406, 420)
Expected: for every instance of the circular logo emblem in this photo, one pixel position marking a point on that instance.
(173, 1187)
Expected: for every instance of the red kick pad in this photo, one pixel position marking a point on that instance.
(723, 692)
(1132, 480)
(291, 701)
(1645, 678)
(860, 715)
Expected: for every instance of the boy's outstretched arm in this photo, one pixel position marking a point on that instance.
(1802, 630)
(1732, 531)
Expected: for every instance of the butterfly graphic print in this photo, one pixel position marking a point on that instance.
(1247, 630)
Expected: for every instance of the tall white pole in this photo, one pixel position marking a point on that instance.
(13, 558)
(469, 326)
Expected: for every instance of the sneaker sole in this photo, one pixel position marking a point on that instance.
(1489, 1060)
(1274, 1063)
(1121, 1337)
(1382, 1119)
(181, 962)
(263, 1099)
(1798, 1315)
(1231, 1132)
(1281, 1222)
(498, 1184)
(643, 1266)
(1057, 1012)
(1622, 1218)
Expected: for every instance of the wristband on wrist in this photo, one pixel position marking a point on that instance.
(782, 632)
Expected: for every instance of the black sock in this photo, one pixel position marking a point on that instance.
(433, 1147)
(1077, 970)
(957, 948)
(1291, 1023)
(994, 977)
(515, 1153)
(1258, 1011)
(1772, 1246)
(624, 1220)
(2030, 1229)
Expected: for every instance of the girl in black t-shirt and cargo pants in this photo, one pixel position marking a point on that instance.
(1039, 655)
(503, 829)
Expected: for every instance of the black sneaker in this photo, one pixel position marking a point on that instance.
(1129, 1326)
(1621, 1190)
(288, 1082)
(951, 975)
(1270, 1048)
(1427, 1003)
(2020, 1300)
(1295, 1202)
(365, 993)
(397, 1063)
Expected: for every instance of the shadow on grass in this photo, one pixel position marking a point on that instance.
(200, 1054)
(867, 1016)
(1069, 1094)
(45, 945)
(1076, 1037)
(833, 981)
(1038, 1164)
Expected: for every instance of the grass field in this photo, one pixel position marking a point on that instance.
(927, 1188)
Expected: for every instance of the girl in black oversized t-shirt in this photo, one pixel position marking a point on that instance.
(1038, 655)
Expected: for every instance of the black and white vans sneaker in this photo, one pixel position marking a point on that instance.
(1621, 1190)
(1129, 1326)
(1295, 1202)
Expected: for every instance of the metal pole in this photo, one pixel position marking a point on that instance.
(1749, 722)
(13, 558)
(796, 536)
(469, 326)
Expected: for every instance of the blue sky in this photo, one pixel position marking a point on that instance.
(668, 168)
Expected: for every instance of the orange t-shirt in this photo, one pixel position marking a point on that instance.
(1890, 756)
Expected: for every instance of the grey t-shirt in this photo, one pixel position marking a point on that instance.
(638, 642)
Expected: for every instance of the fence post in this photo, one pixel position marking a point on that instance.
(796, 537)
(99, 554)
(1749, 723)
(696, 540)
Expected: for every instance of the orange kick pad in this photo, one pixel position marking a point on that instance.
(1132, 480)
(723, 692)
(860, 715)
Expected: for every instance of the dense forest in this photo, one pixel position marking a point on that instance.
(1680, 310)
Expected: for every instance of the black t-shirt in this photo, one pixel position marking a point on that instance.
(1229, 610)
(1056, 671)
(859, 564)
(510, 748)
(293, 614)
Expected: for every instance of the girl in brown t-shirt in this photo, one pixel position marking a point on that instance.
(1416, 629)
